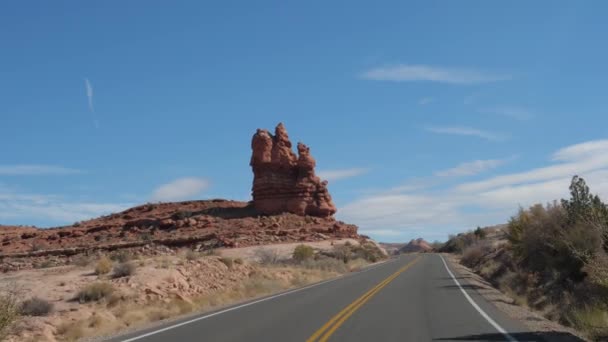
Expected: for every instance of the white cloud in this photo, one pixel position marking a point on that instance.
(32, 169)
(411, 72)
(516, 113)
(466, 131)
(27, 208)
(180, 189)
(471, 168)
(334, 175)
(425, 101)
(435, 213)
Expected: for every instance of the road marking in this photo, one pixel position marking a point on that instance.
(480, 310)
(335, 322)
(139, 337)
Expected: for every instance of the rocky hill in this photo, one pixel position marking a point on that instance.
(416, 246)
(290, 204)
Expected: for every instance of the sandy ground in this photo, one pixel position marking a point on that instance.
(162, 287)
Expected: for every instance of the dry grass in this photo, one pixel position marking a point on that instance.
(36, 307)
(103, 266)
(95, 292)
(9, 311)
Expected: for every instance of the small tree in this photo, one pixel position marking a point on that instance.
(480, 233)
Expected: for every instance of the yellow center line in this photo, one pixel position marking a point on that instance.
(335, 322)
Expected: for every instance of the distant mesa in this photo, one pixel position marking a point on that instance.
(284, 182)
(416, 246)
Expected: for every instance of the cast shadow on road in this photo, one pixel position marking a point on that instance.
(521, 337)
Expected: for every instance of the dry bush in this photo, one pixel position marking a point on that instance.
(124, 269)
(9, 311)
(239, 261)
(81, 260)
(474, 255)
(303, 252)
(192, 255)
(103, 266)
(36, 307)
(95, 292)
(121, 256)
(229, 262)
(267, 256)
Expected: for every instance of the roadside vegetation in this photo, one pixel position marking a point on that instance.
(554, 259)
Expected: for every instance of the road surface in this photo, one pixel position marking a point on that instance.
(411, 298)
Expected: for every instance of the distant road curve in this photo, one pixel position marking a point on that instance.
(412, 298)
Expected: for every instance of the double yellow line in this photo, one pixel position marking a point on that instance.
(325, 332)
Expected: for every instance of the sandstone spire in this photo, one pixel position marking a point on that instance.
(284, 182)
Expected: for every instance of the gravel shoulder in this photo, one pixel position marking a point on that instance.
(548, 330)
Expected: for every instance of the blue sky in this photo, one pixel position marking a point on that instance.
(426, 117)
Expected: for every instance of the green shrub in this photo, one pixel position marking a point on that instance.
(36, 307)
(95, 292)
(303, 252)
(124, 269)
(103, 266)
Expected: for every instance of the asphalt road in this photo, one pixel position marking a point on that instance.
(412, 298)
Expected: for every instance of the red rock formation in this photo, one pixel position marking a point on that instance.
(284, 182)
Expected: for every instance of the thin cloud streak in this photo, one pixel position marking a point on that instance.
(334, 175)
(466, 131)
(472, 168)
(89, 90)
(427, 73)
(516, 113)
(34, 170)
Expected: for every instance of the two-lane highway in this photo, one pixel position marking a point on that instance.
(412, 298)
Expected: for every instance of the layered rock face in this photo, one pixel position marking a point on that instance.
(284, 182)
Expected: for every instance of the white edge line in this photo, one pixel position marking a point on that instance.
(248, 304)
(480, 310)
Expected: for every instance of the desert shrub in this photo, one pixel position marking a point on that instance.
(44, 264)
(95, 292)
(368, 251)
(343, 252)
(180, 215)
(124, 269)
(146, 237)
(81, 260)
(239, 261)
(192, 255)
(103, 266)
(121, 256)
(303, 252)
(36, 307)
(227, 261)
(9, 311)
(267, 256)
(474, 254)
